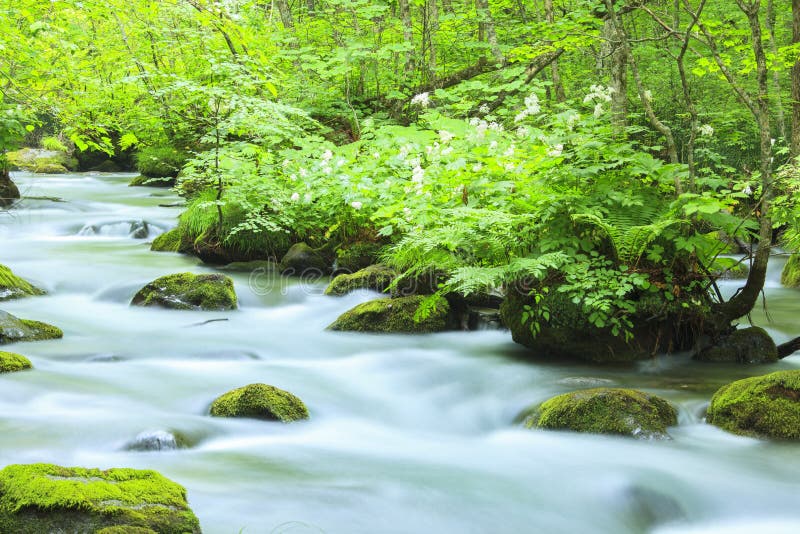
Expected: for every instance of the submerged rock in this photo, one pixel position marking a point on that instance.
(11, 362)
(12, 286)
(301, 259)
(746, 345)
(375, 277)
(626, 412)
(760, 406)
(39, 498)
(156, 440)
(396, 315)
(790, 276)
(187, 291)
(9, 192)
(13, 329)
(260, 401)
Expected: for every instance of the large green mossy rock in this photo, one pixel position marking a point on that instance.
(9, 192)
(45, 498)
(161, 162)
(40, 160)
(790, 276)
(761, 406)
(13, 329)
(11, 362)
(747, 345)
(626, 412)
(172, 241)
(188, 291)
(260, 401)
(13, 287)
(302, 260)
(375, 277)
(397, 315)
(658, 326)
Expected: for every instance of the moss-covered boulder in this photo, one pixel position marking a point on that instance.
(760, 406)
(41, 160)
(13, 329)
(375, 277)
(151, 181)
(45, 498)
(172, 241)
(13, 287)
(11, 362)
(126, 529)
(746, 345)
(9, 192)
(397, 315)
(658, 326)
(260, 401)
(626, 412)
(188, 291)
(301, 260)
(790, 276)
(161, 162)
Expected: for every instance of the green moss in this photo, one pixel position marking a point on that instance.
(301, 260)
(170, 241)
(260, 401)
(160, 161)
(356, 256)
(605, 411)
(188, 291)
(43, 498)
(12, 286)
(13, 329)
(376, 277)
(396, 315)
(790, 276)
(11, 362)
(50, 168)
(126, 529)
(150, 181)
(41, 160)
(760, 406)
(746, 345)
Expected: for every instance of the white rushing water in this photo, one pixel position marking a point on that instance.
(407, 433)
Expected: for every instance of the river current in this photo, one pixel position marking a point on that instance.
(408, 434)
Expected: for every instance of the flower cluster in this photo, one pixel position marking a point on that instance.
(532, 107)
(598, 94)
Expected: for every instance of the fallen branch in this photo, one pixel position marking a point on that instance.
(788, 348)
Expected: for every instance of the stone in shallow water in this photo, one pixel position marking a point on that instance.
(397, 315)
(12, 286)
(187, 291)
(11, 362)
(746, 345)
(156, 440)
(13, 329)
(45, 498)
(260, 401)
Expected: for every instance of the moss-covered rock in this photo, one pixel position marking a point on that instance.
(45, 498)
(11, 362)
(9, 192)
(356, 256)
(12, 286)
(151, 181)
(50, 168)
(760, 406)
(746, 345)
(396, 315)
(790, 276)
(126, 529)
(41, 160)
(13, 329)
(658, 326)
(160, 161)
(301, 259)
(626, 412)
(375, 277)
(172, 241)
(188, 291)
(260, 401)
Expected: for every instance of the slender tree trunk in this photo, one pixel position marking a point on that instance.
(617, 61)
(408, 34)
(769, 24)
(487, 23)
(795, 144)
(558, 86)
(433, 29)
(286, 14)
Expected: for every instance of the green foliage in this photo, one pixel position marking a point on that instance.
(160, 161)
(52, 142)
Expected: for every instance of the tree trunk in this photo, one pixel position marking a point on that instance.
(408, 35)
(558, 86)
(769, 24)
(433, 28)
(286, 14)
(487, 24)
(617, 62)
(795, 144)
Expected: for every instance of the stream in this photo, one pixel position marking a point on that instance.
(408, 434)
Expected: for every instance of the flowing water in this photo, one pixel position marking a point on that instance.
(407, 433)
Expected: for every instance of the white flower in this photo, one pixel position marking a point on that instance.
(356, 205)
(509, 152)
(520, 116)
(376, 155)
(303, 172)
(327, 155)
(474, 121)
(747, 190)
(422, 100)
(446, 151)
(532, 104)
(493, 145)
(706, 130)
(417, 175)
(327, 170)
(572, 120)
(495, 127)
(522, 131)
(509, 167)
(340, 162)
(286, 163)
(445, 136)
(555, 151)
(483, 109)
(648, 95)
(598, 109)
(293, 177)
(307, 197)
(598, 92)
(295, 197)
(477, 167)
